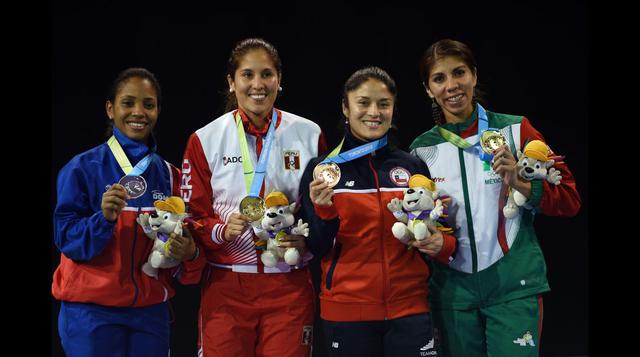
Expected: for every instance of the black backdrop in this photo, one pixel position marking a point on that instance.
(532, 59)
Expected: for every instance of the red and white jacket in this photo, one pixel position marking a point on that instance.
(213, 182)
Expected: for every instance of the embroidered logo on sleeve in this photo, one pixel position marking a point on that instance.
(292, 160)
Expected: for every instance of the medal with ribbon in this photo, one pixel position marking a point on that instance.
(329, 170)
(132, 181)
(252, 205)
(489, 139)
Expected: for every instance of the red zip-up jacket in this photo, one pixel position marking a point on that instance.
(367, 274)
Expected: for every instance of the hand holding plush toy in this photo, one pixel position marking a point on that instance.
(158, 226)
(535, 162)
(421, 206)
(276, 223)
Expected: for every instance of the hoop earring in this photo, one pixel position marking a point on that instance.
(436, 112)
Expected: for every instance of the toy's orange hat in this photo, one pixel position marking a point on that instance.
(421, 181)
(172, 204)
(538, 150)
(276, 199)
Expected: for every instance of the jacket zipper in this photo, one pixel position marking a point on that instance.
(334, 261)
(133, 262)
(385, 278)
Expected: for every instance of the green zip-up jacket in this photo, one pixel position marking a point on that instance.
(497, 259)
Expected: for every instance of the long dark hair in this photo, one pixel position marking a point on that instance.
(449, 48)
(133, 72)
(238, 52)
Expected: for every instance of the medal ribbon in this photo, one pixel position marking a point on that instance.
(483, 125)
(252, 180)
(124, 162)
(338, 158)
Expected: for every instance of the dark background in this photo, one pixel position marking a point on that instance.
(532, 59)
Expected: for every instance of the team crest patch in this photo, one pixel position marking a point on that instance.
(292, 160)
(399, 176)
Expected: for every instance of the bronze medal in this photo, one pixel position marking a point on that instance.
(330, 172)
(252, 207)
(492, 140)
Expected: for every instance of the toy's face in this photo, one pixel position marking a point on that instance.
(277, 217)
(530, 168)
(417, 199)
(164, 221)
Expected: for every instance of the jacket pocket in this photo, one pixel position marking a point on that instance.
(334, 261)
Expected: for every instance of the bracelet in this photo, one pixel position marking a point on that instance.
(195, 255)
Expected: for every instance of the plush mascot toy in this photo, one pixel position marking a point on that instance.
(421, 206)
(168, 219)
(276, 223)
(535, 162)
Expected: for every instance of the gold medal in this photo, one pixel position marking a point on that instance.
(492, 140)
(252, 207)
(330, 172)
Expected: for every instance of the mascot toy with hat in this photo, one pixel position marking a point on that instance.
(421, 206)
(276, 223)
(534, 162)
(158, 226)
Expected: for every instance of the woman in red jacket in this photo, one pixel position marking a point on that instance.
(373, 299)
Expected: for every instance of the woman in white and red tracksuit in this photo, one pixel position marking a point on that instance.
(487, 301)
(108, 305)
(248, 309)
(373, 299)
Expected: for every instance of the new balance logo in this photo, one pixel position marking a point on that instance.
(335, 344)
(349, 183)
(526, 339)
(427, 350)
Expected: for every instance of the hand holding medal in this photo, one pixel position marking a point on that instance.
(113, 201)
(320, 192)
(237, 224)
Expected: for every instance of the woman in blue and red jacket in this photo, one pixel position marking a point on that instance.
(373, 299)
(108, 305)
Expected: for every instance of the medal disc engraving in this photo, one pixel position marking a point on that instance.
(252, 207)
(492, 140)
(136, 186)
(330, 172)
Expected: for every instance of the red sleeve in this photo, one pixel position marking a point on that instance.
(208, 228)
(561, 200)
(191, 271)
(325, 212)
(448, 248)
(322, 144)
(176, 176)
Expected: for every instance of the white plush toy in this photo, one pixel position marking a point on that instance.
(534, 162)
(168, 219)
(276, 223)
(421, 206)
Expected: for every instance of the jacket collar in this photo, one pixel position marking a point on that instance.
(249, 128)
(351, 142)
(135, 150)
